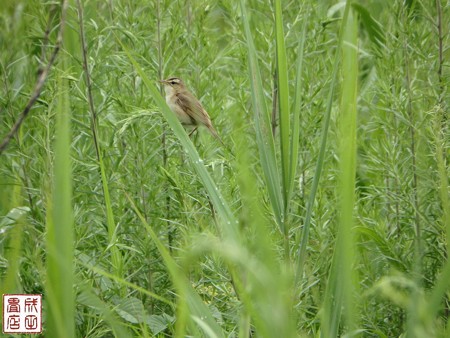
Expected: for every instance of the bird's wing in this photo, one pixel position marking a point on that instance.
(194, 109)
(196, 112)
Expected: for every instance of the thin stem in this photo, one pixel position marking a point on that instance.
(88, 82)
(274, 102)
(163, 136)
(115, 253)
(42, 77)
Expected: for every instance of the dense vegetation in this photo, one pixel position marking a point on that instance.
(325, 214)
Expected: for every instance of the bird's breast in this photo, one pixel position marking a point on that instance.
(182, 116)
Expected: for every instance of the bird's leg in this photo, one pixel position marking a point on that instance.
(192, 131)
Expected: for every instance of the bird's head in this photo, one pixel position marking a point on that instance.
(173, 82)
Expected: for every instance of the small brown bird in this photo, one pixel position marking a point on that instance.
(187, 108)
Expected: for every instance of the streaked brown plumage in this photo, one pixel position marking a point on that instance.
(187, 108)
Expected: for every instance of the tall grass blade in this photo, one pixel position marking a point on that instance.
(267, 289)
(302, 240)
(296, 113)
(264, 137)
(341, 286)
(283, 99)
(59, 293)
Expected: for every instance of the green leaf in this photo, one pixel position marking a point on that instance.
(159, 323)
(131, 309)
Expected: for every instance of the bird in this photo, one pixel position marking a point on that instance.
(187, 107)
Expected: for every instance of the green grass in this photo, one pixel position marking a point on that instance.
(336, 222)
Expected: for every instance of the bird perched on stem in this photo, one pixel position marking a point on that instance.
(186, 107)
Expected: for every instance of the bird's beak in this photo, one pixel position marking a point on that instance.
(162, 81)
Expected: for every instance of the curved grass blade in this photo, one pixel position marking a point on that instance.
(60, 236)
(229, 224)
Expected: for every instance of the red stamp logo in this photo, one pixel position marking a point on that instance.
(22, 314)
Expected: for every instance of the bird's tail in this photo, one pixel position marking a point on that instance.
(215, 134)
